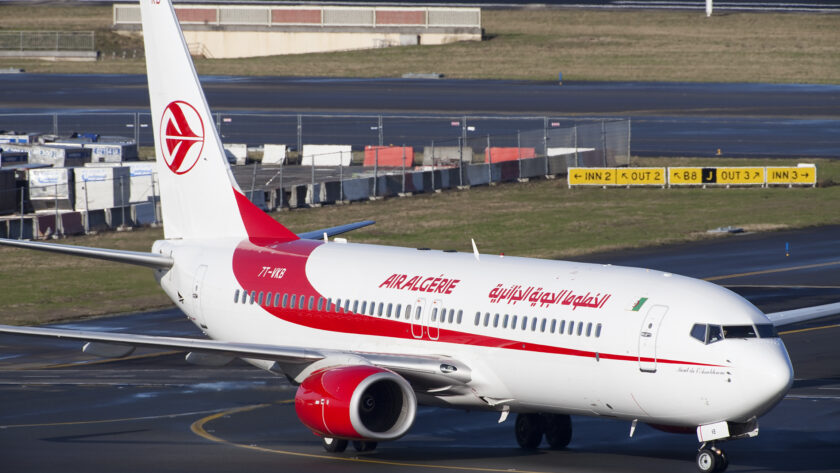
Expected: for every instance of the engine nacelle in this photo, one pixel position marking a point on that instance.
(356, 402)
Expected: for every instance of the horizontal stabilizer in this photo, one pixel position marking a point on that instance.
(140, 258)
(332, 231)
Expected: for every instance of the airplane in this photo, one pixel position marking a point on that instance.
(370, 332)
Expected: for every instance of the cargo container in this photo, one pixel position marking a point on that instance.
(327, 155)
(102, 187)
(12, 157)
(8, 192)
(57, 156)
(20, 138)
(51, 188)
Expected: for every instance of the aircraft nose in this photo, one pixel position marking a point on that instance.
(775, 377)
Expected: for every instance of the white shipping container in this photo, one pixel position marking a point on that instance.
(239, 151)
(103, 187)
(112, 152)
(51, 186)
(274, 154)
(22, 138)
(327, 155)
(57, 156)
(142, 187)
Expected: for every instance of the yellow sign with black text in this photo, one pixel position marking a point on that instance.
(592, 176)
(792, 175)
(686, 176)
(641, 177)
(740, 176)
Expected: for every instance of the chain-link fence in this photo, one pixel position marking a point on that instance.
(46, 40)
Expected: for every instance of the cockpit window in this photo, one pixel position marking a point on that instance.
(708, 333)
(766, 331)
(739, 331)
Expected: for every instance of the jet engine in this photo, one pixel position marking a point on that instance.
(357, 402)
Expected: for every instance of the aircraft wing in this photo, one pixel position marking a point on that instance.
(425, 373)
(788, 317)
(332, 231)
(141, 258)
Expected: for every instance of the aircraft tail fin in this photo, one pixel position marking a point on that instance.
(199, 196)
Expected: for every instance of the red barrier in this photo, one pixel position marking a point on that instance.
(389, 156)
(507, 154)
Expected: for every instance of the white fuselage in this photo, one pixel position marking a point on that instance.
(589, 339)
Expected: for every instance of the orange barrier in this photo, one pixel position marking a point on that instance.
(507, 154)
(389, 156)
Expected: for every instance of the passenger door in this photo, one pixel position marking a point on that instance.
(648, 333)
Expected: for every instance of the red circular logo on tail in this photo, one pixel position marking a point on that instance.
(181, 136)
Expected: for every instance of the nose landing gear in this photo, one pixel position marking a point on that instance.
(711, 459)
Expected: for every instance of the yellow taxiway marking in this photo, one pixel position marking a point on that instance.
(198, 429)
(107, 421)
(810, 329)
(770, 271)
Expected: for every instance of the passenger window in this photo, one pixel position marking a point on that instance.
(372, 307)
(260, 298)
(356, 306)
(477, 318)
(320, 303)
(542, 326)
(524, 322)
(434, 314)
(533, 324)
(553, 325)
(286, 300)
(505, 321)
(589, 329)
(268, 299)
(407, 311)
(418, 311)
(460, 316)
(301, 301)
(598, 331)
(388, 313)
(571, 327)
(277, 299)
(311, 302)
(253, 296)
(398, 312)
(562, 327)
(496, 320)
(236, 296)
(364, 306)
(486, 319)
(379, 310)
(580, 328)
(451, 315)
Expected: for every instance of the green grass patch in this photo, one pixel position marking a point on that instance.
(532, 44)
(542, 219)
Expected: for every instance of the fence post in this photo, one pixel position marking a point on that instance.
(22, 197)
(604, 140)
(340, 182)
(433, 166)
(300, 136)
(577, 155)
(379, 128)
(519, 153)
(375, 170)
(55, 123)
(403, 169)
(137, 128)
(628, 140)
(55, 203)
(154, 197)
(122, 204)
(489, 162)
(545, 143)
(219, 123)
(312, 176)
(253, 181)
(87, 210)
(460, 162)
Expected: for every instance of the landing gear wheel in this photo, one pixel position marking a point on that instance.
(558, 430)
(712, 460)
(529, 430)
(333, 445)
(707, 461)
(361, 446)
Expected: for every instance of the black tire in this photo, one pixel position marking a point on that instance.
(362, 446)
(529, 430)
(558, 430)
(723, 461)
(707, 461)
(333, 445)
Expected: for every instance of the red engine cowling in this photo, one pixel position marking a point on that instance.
(356, 402)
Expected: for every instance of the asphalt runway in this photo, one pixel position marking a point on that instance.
(668, 119)
(62, 411)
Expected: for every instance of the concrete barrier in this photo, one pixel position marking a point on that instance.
(331, 192)
(532, 167)
(71, 223)
(499, 154)
(118, 217)
(95, 220)
(476, 175)
(389, 156)
(143, 214)
(239, 151)
(326, 155)
(44, 225)
(4, 229)
(257, 197)
(274, 154)
(297, 196)
(505, 171)
(446, 154)
(560, 164)
(313, 194)
(357, 189)
(21, 228)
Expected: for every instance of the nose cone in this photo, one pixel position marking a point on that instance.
(772, 378)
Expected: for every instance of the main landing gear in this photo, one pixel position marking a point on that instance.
(531, 428)
(334, 445)
(711, 459)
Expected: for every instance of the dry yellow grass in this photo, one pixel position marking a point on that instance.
(529, 44)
